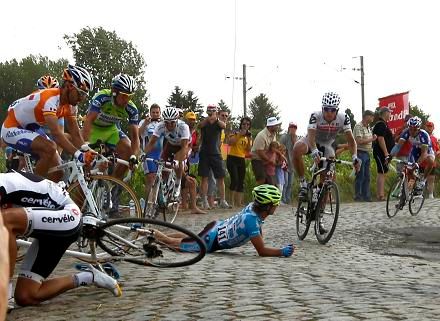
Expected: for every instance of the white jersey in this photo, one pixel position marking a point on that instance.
(181, 131)
(148, 132)
(29, 190)
(326, 132)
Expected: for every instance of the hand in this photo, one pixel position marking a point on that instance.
(87, 158)
(316, 155)
(287, 250)
(133, 161)
(356, 163)
(374, 137)
(388, 159)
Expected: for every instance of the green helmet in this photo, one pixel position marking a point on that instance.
(267, 194)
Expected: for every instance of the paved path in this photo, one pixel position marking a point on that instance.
(374, 268)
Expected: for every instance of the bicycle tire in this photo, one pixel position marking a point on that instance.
(413, 204)
(303, 219)
(138, 244)
(171, 209)
(390, 209)
(322, 216)
(111, 195)
(151, 210)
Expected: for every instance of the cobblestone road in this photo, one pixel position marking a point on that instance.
(371, 269)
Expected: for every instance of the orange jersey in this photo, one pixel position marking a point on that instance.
(32, 109)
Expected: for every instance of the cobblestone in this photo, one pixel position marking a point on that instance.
(374, 268)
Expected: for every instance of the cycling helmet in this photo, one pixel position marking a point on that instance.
(124, 83)
(331, 99)
(211, 108)
(46, 82)
(80, 77)
(414, 122)
(267, 194)
(170, 114)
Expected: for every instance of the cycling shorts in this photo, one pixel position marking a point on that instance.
(208, 235)
(110, 135)
(20, 138)
(325, 148)
(53, 232)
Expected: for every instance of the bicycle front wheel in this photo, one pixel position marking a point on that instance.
(395, 198)
(303, 219)
(151, 242)
(113, 197)
(416, 202)
(327, 212)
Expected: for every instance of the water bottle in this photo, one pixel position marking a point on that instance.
(132, 209)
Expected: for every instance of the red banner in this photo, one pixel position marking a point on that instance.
(399, 106)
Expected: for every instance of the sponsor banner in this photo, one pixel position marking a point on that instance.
(399, 106)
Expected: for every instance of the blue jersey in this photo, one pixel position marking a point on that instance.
(238, 229)
(422, 139)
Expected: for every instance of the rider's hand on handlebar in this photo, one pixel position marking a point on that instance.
(133, 161)
(88, 157)
(316, 155)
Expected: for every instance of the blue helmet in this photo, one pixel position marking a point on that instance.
(414, 122)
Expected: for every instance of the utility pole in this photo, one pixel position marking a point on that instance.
(362, 84)
(244, 90)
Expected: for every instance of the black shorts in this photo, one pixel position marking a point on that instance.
(211, 162)
(382, 167)
(169, 151)
(258, 169)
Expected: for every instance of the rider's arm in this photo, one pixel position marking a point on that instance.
(262, 250)
(395, 150)
(423, 154)
(58, 135)
(311, 137)
(134, 137)
(182, 154)
(151, 142)
(351, 142)
(87, 127)
(74, 131)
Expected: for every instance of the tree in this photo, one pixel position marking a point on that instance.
(417, 111)
(18, 78)
(260, 109)
(105, 55)
(187, 102)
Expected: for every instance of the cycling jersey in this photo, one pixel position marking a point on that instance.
(108, 113)
(422, 139)
(326, 132)
(149, 166)
(174, 137)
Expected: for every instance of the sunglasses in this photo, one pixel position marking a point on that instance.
(125, 94)
(81, 92)
(330, 109)
(170, 122)
(293, 127)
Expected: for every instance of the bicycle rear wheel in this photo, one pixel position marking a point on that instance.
(327, 212)
(395, 198)
(150, 242)
(303, 219)
(112, 197)
(416, 202)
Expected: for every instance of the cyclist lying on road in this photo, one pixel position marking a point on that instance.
(44, 211)
(238, 229)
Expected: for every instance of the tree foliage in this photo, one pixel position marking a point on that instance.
(260, 108)
(18, 78)
(105, 55)
(417, 111)
(187, 102)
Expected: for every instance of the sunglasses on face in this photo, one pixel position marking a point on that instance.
(293, 127)
(82, 93)
(330, 109)
(170, 122)
(125, 94)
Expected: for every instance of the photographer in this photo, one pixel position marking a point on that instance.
(240, 144)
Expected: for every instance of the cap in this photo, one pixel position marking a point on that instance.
(293, 124)
(368, 113)
(429, 124)
(384, 110)
(190, 115)
(272, 121)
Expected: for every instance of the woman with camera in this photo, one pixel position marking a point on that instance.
(240, 144)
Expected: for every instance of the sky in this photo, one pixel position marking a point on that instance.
(295, 50)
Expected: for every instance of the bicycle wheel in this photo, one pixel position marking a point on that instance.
(303, 219)
(171, 208)
(395, 198)
(327, 212)
(415, 203)
(150, 242)
(151, 209)
(112, 197)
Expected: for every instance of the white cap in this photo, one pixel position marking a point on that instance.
(272, 121)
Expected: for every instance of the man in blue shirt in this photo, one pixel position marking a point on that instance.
(239, 229)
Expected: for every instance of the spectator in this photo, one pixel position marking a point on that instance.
(260, 148)
(281, 168)
(240, 144)
(270, 164)
(289, 139)
(364, 138)
(4, 269)
(210, 155)
(381, 149)
(431, 178)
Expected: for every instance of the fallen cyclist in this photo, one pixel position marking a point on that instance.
(44, 211)
(239, 229)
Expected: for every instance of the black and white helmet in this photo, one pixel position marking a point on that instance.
(124, 83)
(79, 76)
(331, 99)
(170, 114)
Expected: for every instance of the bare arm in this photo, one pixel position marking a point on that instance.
(134, 137)
(352, 146)
(382, 145)
(151, 142)
(87, 128)
(311, 137)
(74, 131)
(58, 135)
(262, 250)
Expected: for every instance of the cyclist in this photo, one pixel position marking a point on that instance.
(323, 127)
(176, 141)
(22, 128)
(106, 111)
(421, 150)
(41, 209)
(146, 130)
(239, 229)
(47, 82)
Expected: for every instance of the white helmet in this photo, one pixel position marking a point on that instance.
(170, 114)
(331, 99)
(80, 77)
(124, 83)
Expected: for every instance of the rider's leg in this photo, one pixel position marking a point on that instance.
(48, 157)
(123, 150)
(299, 150)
